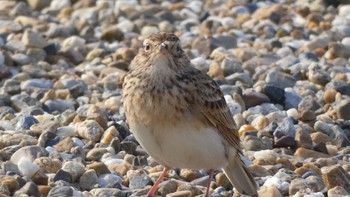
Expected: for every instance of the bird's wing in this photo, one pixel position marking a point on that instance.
(209, 101)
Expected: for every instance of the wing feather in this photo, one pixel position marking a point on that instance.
(209, 101)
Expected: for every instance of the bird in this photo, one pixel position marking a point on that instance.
(179, 115)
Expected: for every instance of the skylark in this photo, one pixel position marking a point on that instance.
(179, 115)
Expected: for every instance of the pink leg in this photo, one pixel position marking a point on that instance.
(155, 186)
(211, 172)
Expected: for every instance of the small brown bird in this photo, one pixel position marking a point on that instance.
(179, 115)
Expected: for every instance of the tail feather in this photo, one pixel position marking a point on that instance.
(240, 177)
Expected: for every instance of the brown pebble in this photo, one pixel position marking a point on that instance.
(329, 95)
(296, 34)
(307, 167)
(44, 190)
(336, 176)
(222, 180)
(120, 168)
(307, 153)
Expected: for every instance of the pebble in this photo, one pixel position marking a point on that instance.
(33, 39)
(342, 109)
(337, 191)
(88, 180)
(89, 130)
(75, 169)
(271, 191)
(307, 153)
(335, 176)
(29, 189)
(27, 167)
(28, 152)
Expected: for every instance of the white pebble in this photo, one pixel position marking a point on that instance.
(66, 131)
(267, 155)
(292, 113)
(26, 167)
(77, 142)
(50, 149)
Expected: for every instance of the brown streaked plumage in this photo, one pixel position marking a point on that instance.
(179, 115)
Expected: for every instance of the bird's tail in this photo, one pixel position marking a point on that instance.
(240, 177)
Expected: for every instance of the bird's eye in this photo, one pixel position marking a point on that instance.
(178, 49)
(147, 47)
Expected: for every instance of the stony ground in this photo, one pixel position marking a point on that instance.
(283, 67)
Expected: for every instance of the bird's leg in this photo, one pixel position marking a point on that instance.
(160, 178)
(211, 172)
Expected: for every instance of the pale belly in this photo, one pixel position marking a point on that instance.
(184, 145)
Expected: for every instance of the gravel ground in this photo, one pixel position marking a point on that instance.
(283, 67)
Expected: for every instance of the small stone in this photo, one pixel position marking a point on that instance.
(89, 130)
(29, 152)
(260, 122)
(280, 79)
(329, 95)
(202, 181)
(72, 42)
(8, 166)
(59, 4)
(268, 156)
(128, 146)
(342, 109)
(33, 39)
(252, 98)
(9, 182)
(271, 191)
(315, 182)
(336, 176)
(59, 105)
(96, 154)
(167, 187)
(25, 122)
(275, 93)
(303, 139)
(63, 175)
(222, 180)
(323, 127)
(285, 130)
(180, 194)
(99, 167)
(120, 168)
(319, 137)
(61, 191)
(38, 4)
(139, 182)
(21, 59)
(112, 33)
(319, 42)
(44, 190)
(64, 145)
(75, 169)
(107, 192)
(337, 191)
(307, 116)
(336, 50)
(189, 175)
(109, 180)
(26, 167)
(254, 143)
(88, 180)
(109, 134)
(308, 103)
(48, 165)
(297, 185)
(29, 189)
(40, 178)
(307, 153)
